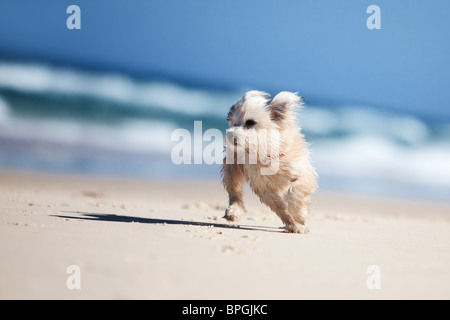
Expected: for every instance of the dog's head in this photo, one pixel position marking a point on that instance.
(261, 125)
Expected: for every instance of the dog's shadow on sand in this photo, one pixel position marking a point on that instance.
(129, 219)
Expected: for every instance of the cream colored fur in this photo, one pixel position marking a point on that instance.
(281, 175)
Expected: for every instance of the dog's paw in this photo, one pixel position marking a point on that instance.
(233, 213)
(296, 228)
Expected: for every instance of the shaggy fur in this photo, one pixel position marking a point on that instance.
(277, 167)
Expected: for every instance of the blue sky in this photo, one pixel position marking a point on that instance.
(322, 49)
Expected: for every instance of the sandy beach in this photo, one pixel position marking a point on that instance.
(168, 240)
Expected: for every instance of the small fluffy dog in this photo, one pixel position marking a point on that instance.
(265, 148)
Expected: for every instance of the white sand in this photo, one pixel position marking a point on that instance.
(167, 240)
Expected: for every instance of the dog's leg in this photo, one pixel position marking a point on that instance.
(298, 205)
(279, 206)
(233, 180)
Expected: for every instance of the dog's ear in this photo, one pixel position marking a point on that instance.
(232, 110)
(284, 105)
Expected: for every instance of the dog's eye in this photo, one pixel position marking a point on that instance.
(250, 123)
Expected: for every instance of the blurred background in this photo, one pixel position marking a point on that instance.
(104, 100)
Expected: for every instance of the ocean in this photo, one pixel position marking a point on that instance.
(106, 123)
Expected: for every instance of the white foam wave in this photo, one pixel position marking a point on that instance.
(364, 121)
(375, 157)
(143, 137)
(115, 87)
(363, 142)
(356, 141)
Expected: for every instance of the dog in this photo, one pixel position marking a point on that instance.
(277, 166)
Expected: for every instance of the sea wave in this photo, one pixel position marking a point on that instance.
(46, 109)
(133, 136)
(4, 111)
(363, 120)
(375, 157)
(119, 88)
